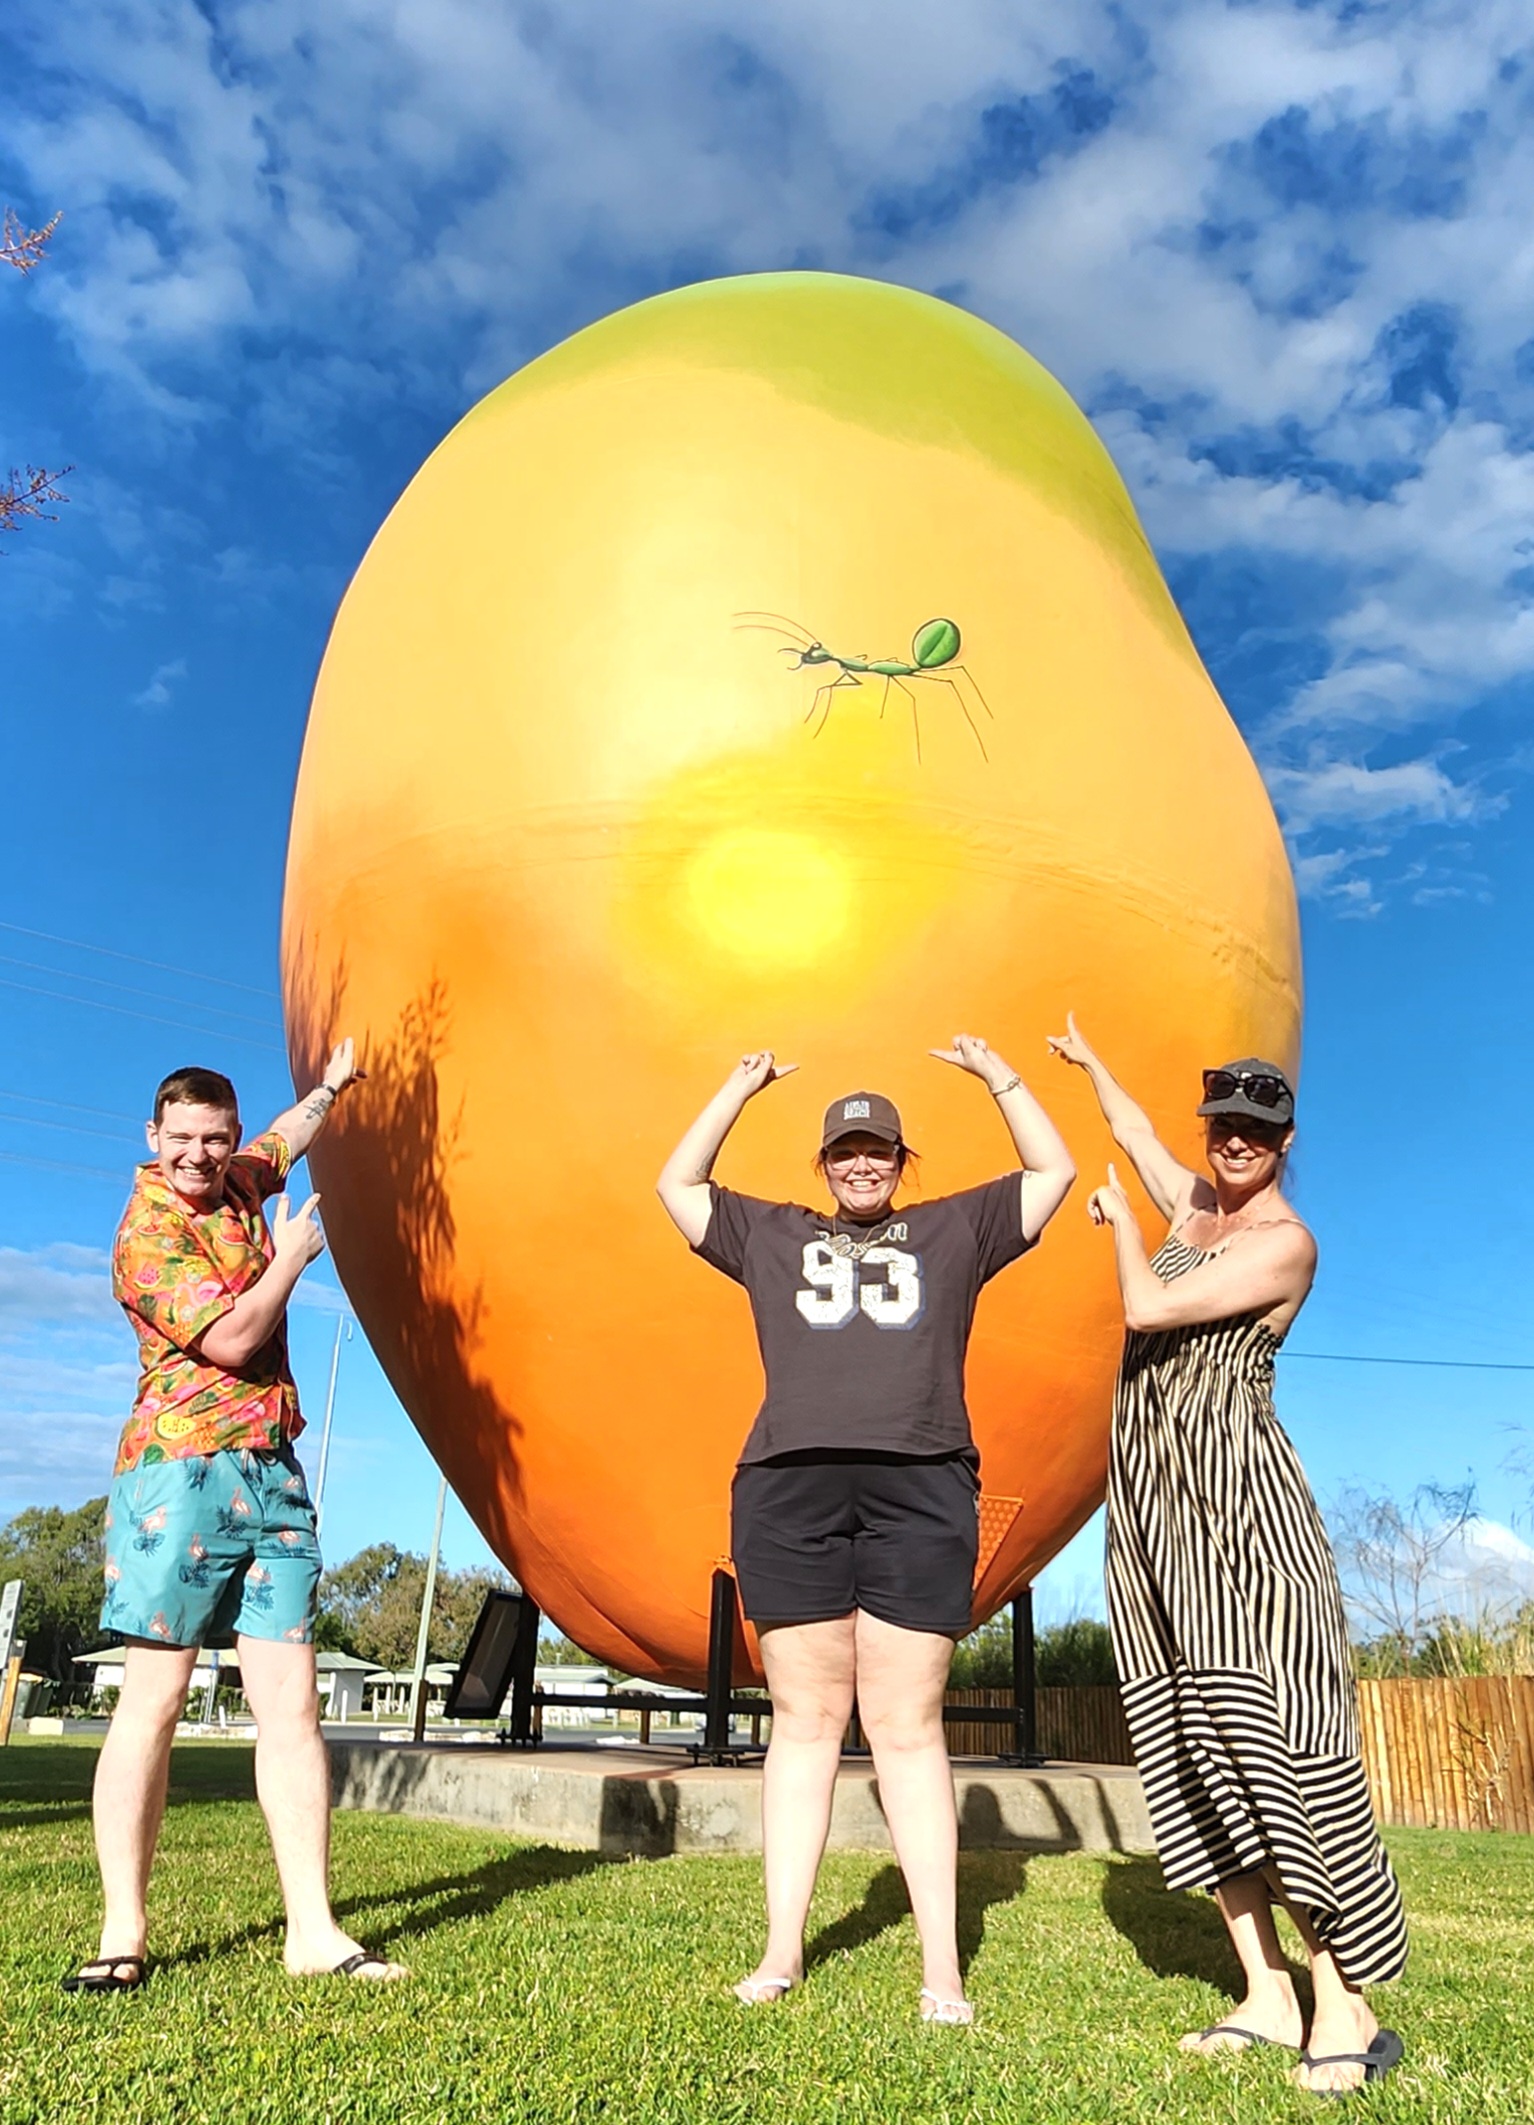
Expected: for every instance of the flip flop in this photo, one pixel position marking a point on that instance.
(1382, 2057)
(947, 2014)
(354, 1965)
(1249, 2036)
(763, 1991)
(100, 1974)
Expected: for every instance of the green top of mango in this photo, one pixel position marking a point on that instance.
(890, 359)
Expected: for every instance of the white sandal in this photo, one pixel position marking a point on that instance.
(948, 2014)
(763, 1991)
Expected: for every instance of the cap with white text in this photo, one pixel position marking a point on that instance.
(861, 1114)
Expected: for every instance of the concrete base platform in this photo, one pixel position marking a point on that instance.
(651, 1802)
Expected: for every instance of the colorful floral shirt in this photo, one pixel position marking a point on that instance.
(176, 1271)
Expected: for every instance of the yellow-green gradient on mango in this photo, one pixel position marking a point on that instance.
(577, 825)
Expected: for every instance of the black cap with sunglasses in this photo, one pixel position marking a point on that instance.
(1252, 1089)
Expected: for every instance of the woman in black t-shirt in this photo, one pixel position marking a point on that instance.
(853, 1523)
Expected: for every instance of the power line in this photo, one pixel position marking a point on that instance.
(69, 1106)
(127, 988)
(1347, 1357)
(37, 1121)
(149, 1017)
(160, 966)
(59, 1165)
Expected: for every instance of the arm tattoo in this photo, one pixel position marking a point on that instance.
(319, 1103)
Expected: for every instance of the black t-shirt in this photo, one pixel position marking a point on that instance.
(863, 1328)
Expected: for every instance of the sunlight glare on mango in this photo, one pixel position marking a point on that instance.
(771, 897)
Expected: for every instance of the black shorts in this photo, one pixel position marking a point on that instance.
(816, 1535)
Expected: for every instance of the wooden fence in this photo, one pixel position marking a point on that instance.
(1081, 1725)
(1450, 1754)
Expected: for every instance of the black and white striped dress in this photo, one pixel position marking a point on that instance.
(1230, 1638)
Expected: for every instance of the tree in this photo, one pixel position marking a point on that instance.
(57, 1556)
(557, 1651)
(1391, 1556)
(371, 1606)
(1065, 1654)
(30, 491)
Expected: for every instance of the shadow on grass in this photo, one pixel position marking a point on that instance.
(45, 1817)
(985, 1878)
(416, 1908)
(1174, 1933)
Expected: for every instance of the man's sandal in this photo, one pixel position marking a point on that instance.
(103, 1973)
(1382, 2057)
(947, 2014)
(356, 1965)
(763, 1991)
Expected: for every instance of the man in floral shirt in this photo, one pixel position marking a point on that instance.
(210, 1532)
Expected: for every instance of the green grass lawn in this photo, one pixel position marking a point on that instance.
(553, 1985)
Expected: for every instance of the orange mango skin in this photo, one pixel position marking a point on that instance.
(569, 837)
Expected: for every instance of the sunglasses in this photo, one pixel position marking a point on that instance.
(1260, 1087)
(835, 1155)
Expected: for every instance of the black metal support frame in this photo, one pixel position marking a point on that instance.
(522, 1733)
(720, 1703)
(1025, 1745)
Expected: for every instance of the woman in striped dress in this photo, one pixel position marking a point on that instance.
(1227, 1616)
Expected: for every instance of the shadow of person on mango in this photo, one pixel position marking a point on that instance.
(391, 1145)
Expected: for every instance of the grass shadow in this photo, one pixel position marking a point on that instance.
(884, 1905)
(423, 1907)
(985, 1878)
(44, 1817)
(1175, 1933)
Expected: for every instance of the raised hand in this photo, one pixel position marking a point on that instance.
(1069, 1046)
(1109, 1205)
(297, 1233)
(970, 1052)
(752, 1072)
(341, 1070)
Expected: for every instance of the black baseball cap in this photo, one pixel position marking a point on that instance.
(1250, 1089)
(862, 1114)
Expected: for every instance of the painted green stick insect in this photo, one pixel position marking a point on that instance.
(934, 646)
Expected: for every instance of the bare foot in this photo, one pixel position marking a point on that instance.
(1346, 2029)
(340, 1956)
(1273, 2015)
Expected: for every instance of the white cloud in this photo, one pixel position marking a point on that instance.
(422, 192)
(44, 1286)
(158, 693)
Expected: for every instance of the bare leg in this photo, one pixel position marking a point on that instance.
(1343, 2022)
(1269, 2007)
(128, 1800)
(293, 1787)
(809, 1678)
(901, 1677)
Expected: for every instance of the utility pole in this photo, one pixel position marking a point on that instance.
(10, 1656)
(342, 1323)
(418, 1692)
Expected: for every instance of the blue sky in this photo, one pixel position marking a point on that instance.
(1281, 255)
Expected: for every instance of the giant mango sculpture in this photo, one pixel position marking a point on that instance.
(776, 663)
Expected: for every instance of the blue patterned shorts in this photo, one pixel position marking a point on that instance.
(204, 1550)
